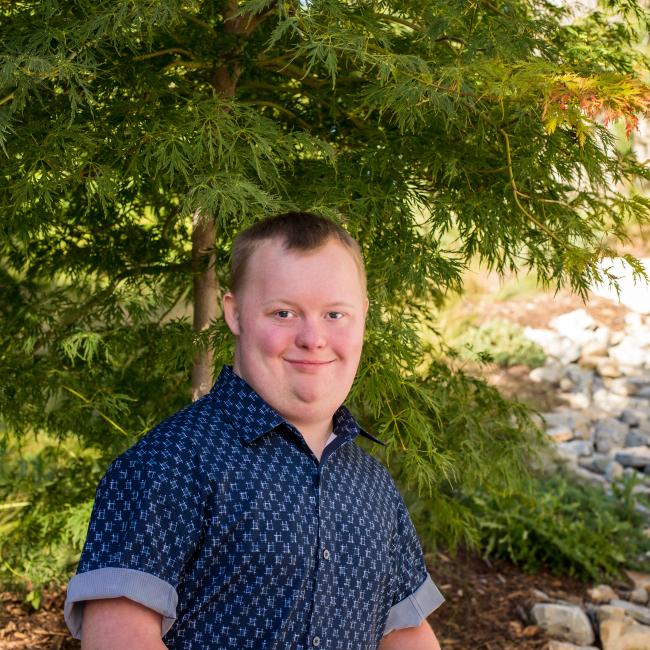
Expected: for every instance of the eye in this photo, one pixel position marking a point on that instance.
(334, 315)
(283, 313)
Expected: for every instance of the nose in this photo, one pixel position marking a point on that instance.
(311, 334)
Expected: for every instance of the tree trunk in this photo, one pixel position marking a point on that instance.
(206, 286)
(206, 291)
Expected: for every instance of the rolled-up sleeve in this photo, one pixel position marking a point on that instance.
(414, 594)
(146, 521)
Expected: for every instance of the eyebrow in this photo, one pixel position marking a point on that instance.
(268, 303)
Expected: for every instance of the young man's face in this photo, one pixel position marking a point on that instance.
(299, 321)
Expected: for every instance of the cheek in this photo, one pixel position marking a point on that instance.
(271, 341)
(348, 342)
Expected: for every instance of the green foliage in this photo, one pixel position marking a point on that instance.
(411, 122)
(42, 522)
(502, 342)
(568, 527)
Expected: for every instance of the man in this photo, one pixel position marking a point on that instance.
(250, 519)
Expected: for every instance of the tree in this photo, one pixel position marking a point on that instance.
(138, 136)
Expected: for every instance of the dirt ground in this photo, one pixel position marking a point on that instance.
(488, 602)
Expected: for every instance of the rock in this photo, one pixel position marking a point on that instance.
(576, 448)
(606, 612)
(634, 417)
(609, 402)
(609, 434)
(637, 612)
(597, 463)
(632, 456)
(572, 420)
(551, 373)
(639, 579)
(560, 434)
(586, 475)
(608, 368)
(566, 384)
(637, 438)
(628, 353)
(579, 401)
(621, 635)
(598, 345)
(564, 622)
(575, 325)
(643, 390)
(613, 471)
(639, 596)
(540, 596)
(563, 645)
(554, 345)
(622, 386)
(602, 594)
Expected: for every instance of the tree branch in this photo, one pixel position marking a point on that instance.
(169, 50)
(516, 194)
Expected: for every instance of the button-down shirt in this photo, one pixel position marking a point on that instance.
(222, 520)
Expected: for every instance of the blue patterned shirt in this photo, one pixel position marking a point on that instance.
(222, 520)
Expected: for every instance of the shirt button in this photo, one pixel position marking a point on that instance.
(326, 554)
(315, 641)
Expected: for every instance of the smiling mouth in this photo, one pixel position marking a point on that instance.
(309, 363)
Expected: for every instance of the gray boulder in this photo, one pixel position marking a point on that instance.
(564, 622)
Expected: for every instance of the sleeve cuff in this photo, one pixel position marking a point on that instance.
(111, 582)
(411, 611)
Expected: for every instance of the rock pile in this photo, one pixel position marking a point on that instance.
(618, 621)
(602, 434)
(604, 378)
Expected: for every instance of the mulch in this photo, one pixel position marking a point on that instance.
(488, 603)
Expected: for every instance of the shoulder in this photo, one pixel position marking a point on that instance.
(186, 443)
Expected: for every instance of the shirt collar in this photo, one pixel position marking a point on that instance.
(253, 417)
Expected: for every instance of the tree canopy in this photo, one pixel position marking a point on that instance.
(138, 136)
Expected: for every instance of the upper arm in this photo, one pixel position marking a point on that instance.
(121, 623)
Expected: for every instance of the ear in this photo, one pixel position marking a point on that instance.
(365, 307)
(231, 313)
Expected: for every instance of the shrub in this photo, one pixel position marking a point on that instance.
(568, 527)
(501, 341)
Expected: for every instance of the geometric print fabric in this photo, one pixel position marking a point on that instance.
(261, 545)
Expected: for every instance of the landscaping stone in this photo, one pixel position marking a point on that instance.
(632, 456)
(621, 635)
(608, 368)
(577, 448)
(613, 471)
(639, 596)
(602, 594)
(637, 438)
(637, 612)
(564, 622)
(560, 434)
(577, 326)
(609, 434)
(552, 373)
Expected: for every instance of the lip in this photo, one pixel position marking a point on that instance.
(309, 362)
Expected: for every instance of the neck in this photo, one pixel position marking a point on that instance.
(315, 435)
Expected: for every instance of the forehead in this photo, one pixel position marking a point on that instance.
(272, 263)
